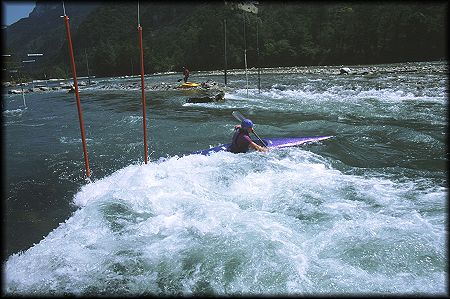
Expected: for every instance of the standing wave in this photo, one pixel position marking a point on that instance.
(283, 222)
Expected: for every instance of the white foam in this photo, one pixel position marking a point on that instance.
(14, 112)
(283, 222)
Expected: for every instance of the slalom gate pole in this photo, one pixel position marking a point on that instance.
(225, 48)
(23, 95)
(259, 63)
(77, 95)
(245, 53)
(143, 91)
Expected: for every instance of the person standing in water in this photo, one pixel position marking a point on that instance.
(186, 74)
(241, 141)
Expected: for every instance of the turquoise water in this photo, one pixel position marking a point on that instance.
(362, 213)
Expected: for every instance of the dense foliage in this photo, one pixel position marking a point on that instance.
(289, 34)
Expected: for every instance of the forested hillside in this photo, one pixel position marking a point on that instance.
(288, 34)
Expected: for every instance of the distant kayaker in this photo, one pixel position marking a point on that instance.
(241, 139)
(185, 73)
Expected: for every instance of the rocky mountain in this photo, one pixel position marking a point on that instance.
(43, 31)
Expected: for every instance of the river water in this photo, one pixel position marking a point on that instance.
(362, 213)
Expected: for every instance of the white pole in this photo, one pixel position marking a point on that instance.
(139, 22)
(246, 74)
(23, 96)
(245, 53)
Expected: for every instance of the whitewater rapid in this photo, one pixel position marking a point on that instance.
(284, 222)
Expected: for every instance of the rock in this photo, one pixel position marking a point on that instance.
(344, 71)
(220, 97)
(210, 84)
(14, 91)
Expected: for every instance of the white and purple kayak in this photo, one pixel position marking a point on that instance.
(279, 142)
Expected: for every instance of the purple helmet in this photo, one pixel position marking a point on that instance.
(246, 124)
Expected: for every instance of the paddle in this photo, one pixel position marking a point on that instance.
(240, 117)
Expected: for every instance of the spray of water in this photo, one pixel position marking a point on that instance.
(284, 222)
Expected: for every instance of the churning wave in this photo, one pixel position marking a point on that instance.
(283, 222)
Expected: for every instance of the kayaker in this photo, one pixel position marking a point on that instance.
(186, 74)
(241, 141)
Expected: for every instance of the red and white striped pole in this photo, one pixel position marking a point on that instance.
(143, 90)
(77, 95)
